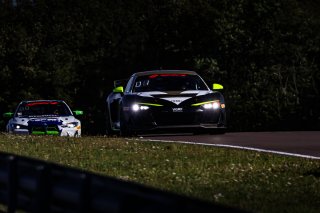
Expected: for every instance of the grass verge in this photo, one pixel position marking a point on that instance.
(252, 181)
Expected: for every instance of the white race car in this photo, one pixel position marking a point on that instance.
(44, 117)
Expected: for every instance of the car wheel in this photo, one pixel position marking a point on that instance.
(109, 130)
(76, 135)
(125, 130)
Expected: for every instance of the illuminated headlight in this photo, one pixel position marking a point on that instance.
(212, 105)
(137, 107)
(71, 125)
(18, 126)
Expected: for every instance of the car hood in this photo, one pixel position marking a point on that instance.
(176, 97)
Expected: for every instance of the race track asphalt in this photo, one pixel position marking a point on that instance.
(300, 143)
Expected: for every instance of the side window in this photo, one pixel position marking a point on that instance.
(129, 85)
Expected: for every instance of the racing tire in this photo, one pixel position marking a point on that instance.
(109, 130)
(125, 130)
(76, 135)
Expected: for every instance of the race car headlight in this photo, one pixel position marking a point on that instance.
(137, 107)
(71, 124)
(18, 126)
(210, 105)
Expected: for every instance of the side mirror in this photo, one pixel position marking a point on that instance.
(217, 87)
(118, 89)
(78, 112)
(118, 83)
(8, 115)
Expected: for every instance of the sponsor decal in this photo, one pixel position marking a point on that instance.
(44, 122)
(176, 100)
(177, 109)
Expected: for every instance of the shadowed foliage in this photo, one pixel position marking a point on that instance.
(265, 53)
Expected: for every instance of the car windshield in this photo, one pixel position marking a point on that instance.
(168, 82)
(52, 108)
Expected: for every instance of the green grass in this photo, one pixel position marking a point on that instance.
(253, 181)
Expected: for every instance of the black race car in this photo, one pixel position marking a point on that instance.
(165, 100)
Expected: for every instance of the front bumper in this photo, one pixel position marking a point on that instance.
(20, 131)
(169, 119)
(71, 132)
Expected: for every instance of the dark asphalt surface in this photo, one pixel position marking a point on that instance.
(301, 143)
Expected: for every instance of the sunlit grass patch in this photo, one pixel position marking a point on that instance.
(253, 181)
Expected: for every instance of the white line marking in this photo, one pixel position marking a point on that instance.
(235, 147)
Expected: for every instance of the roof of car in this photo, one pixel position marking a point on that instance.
(165, 71)
(32, 101)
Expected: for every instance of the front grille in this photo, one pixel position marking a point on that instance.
(44, 130)
(177, 118)
(187, 116)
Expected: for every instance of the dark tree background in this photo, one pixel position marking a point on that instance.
(264, 52)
